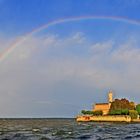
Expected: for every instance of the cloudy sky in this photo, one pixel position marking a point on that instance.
(58, 57)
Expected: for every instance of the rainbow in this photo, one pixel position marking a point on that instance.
(20, 40)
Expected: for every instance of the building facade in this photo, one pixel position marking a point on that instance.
(104, 107)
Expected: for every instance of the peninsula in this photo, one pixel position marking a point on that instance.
(115, 110)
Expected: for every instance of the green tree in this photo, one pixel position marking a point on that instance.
(98, 112)
(138, 108)
(119, 112)
(83, 112)
(124, 112)
(132, 105)
(121, 104)
(133, 114)
(87, 112)
(115, 112)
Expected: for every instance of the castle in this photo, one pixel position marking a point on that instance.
(104, 107)
(130, 116)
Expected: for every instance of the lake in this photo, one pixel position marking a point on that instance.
(66, 129)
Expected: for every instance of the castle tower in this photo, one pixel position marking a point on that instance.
(110, 97)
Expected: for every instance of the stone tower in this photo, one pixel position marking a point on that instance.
(110, 97)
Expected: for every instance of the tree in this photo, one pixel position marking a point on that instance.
(133, 114)
(138, 108)
(83, 112)
(119, 112)
(132, 105)
(120, 104)
(98, 112)
(115, 112)
(87, 112)
(124, 112)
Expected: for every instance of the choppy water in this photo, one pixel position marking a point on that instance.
(65, 129)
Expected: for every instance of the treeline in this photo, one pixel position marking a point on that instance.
(122, 104)
(124, 107)
(88, 112)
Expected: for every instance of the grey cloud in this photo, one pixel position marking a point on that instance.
(33, 83)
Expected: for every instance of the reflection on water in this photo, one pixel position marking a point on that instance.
(65, 129)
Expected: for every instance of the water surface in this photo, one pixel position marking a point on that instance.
(66, 129)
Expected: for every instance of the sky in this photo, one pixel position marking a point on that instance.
(59, 57)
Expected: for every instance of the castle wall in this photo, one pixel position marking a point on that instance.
(114, 118)
(104, 107)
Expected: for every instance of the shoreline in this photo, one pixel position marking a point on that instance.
(107, 118)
